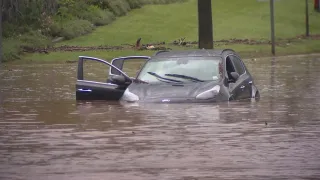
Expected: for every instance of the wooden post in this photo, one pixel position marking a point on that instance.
(273, 51)
(205, 24)
(307, 19)
(1, 10)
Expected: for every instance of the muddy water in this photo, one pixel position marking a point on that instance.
(46, 134)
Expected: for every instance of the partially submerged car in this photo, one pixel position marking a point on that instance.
(173, 76)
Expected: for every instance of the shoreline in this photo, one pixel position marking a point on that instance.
(252, 56)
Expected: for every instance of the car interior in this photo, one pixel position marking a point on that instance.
(230, 68)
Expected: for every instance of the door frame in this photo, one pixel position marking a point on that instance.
(235, 89)
(124, 58)
(80, 67)
(82, 82)
(243, 88)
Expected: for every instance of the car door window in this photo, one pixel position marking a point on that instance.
(130, 64)
(91, 66)
(237, 64)
(95, 71)
(229, 67)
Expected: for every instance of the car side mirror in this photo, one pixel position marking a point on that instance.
(235, 76)
(118, 79)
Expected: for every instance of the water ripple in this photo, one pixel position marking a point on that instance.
(45, 134)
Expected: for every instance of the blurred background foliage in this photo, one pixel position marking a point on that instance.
(35, 23)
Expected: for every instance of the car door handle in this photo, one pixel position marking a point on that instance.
(242, 87)
(85, 90)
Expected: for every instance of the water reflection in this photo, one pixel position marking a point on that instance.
(46, 134)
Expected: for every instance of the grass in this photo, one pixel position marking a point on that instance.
(72, 56)
(232, 19)
(246, 51)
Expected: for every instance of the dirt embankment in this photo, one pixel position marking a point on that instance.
(164, 46)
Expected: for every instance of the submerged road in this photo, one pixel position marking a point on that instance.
(46, 134)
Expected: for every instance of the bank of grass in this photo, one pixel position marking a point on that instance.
(232, 19)
(245, 51)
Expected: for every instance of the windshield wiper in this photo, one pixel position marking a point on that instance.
(160, 77)
(184, 77)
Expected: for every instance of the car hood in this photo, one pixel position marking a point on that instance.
(169, 90)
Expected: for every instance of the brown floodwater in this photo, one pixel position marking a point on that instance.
(46, 134)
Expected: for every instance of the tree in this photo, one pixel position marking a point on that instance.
(205, 24)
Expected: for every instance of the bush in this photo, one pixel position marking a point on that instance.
(119, 7)
(9, 29)
(11, 49)
(163, 1)
(12, 30)
(134, 4)
(34, 39)
(14, 46)
(71, 28)
(55, 29)
(97, 16)
(75, 28)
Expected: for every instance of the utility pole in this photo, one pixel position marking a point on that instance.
(273, 51)
(1, 9)
(307, 19)
(205, 24)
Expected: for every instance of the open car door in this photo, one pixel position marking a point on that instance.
(93, 90)
(129, 60)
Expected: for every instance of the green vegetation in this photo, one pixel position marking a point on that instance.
(245, 19)
(31, 24)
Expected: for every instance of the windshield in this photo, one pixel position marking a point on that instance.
(186, 69)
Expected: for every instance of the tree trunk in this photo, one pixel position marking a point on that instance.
(1, 53)
(205, 24)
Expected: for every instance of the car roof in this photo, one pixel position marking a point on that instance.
(191, 53)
